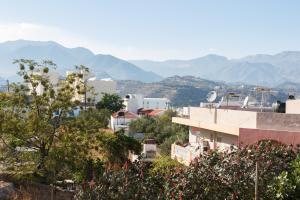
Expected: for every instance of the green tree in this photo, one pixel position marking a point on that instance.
(115, 148)
(111, 102)
(36, 132)
(215, 175)
(161, 129)
(287, 184)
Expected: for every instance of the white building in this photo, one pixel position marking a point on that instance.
(53, 77)
(149, 151)
(134, 102)
(121, 119)
(97, 86)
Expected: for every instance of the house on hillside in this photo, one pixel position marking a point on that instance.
(149, 151)
(121, 119)
(134, 108)
(224, 128)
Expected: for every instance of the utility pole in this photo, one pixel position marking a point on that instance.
(7, 82)
(85, 94)
(256, 181)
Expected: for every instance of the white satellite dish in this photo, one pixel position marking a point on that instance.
(211, 96)
(245, 104)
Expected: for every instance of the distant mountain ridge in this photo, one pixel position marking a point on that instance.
(101, 65)
(260, 69)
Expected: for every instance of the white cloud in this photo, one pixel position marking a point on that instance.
(37, 32)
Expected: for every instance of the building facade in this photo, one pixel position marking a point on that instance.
(224, 129)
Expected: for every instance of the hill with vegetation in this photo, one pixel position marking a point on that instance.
(190, 90)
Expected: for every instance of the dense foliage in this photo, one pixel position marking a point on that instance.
(39, 137)
(111, 102)
(161, 129)
(229, 175)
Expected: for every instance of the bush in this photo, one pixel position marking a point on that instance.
(228, 175)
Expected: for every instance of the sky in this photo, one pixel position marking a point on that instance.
(157, 29)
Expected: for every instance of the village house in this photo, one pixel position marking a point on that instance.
(213, 128)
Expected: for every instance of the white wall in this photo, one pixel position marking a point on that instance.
(222, 141)
(237, 118)
(149, 147)
(293, 106)
(120, 121)
(133, 102)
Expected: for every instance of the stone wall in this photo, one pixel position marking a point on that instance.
(45, 192)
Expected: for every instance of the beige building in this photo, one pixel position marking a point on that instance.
(223, 129)
(95, 87)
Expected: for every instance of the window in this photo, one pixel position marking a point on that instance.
(219, 139)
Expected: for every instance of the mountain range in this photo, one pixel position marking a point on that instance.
(282, 69)
(103, 66)
(260, 69)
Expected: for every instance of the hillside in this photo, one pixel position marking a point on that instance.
(190, 90)
(102, 65)
(182, 91)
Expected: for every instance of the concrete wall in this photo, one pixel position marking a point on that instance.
(115, 122)
(251, 136)
(44, 192)
(278, 121)
(202, 114)
(134, 102)
(181, 154)
(216, 140)
(237, 118)
(293, 106)
(225, 141)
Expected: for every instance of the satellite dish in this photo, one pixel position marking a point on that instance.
(245, 104)
(211, 96)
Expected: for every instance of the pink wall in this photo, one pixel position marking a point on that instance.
(250, 136)
(278, 121)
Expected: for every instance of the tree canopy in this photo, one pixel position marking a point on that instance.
(215, 175)
(161, 129)
(111, 102)
(39, 136)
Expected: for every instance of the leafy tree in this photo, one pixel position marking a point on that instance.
(34, 126)
(111, 102)
(115, 148)
(164, 165)
(215, 175)
(287, 184)
(92, 119)
(38, 136)
(161, 129)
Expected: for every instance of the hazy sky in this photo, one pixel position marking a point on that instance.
(157, 29)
